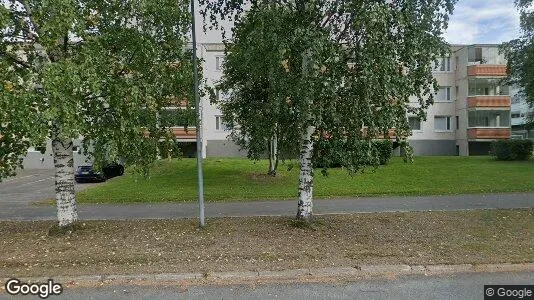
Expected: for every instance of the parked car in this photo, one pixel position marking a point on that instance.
(89, 174)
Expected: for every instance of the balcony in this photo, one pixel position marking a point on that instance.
(488, 133)
(498, 101)
(182, 134)
(392, 133)
(487, 70)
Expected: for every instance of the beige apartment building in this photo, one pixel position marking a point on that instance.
(471, 109)
(472, 106)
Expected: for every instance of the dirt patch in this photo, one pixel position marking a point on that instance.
(267, 243)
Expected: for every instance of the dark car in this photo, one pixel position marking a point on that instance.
(89, 174)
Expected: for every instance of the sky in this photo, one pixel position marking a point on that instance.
(483, 22)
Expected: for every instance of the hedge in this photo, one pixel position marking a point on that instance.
(512, 149)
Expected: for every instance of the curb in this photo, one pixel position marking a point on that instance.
(348, 273)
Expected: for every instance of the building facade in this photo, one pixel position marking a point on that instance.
(472, 107)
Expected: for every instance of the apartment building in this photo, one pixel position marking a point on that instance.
(472, 107)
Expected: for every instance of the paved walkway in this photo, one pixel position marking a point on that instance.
(27, 211)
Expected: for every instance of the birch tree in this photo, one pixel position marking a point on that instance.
(94, 69)
(253, 81)
(347, 70)
(519, 54)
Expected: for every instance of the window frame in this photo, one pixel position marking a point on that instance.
(420, 124)
(448, 122)
(444, 65)
(219, 124)
(448, 94)
(219, 62)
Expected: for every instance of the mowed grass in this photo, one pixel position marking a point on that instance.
(241, 180)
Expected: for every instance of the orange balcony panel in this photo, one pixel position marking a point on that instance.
(182, 133)
(489, 101)
(489, 133)
(392, 133)
(486, 70)
(173, 101)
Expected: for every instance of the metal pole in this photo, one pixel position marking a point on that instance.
(199, 121)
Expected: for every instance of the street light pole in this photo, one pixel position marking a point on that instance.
(199, 121)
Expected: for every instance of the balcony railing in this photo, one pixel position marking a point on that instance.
(488, 133)
(183, 134)
(486, 70)
(497, 101)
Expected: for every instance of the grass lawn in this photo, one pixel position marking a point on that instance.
(267, 243)
(241, 179)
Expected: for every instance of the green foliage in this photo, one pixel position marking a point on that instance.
(348, 69)
(520, 54)
(384, 149)
(170, 149)
(93, 68)
(255, 81)
(330, 154)
(512, 149)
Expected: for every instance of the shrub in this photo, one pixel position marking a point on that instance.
(512, 149)
(384, 149)
(381, 153)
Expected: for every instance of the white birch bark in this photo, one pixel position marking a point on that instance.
(67, 213)
(273, 155)
(305, 203)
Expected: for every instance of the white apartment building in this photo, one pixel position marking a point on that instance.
(471, 109)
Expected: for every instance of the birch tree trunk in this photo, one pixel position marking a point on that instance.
(305, 204)
(273, 155)
(67, 213)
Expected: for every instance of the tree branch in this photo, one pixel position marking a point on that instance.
(35, 37)
(11, 57)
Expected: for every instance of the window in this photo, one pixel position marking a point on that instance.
(415, 123)
(489, 118)
(443, 64)
(444, 94)
(487, 87)
(219, 62)
(221, 95)
(220, 125)
(442, 123)
(457, 122)
(218, 122)
(516, 115)
(475, 55)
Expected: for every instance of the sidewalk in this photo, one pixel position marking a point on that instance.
(10, 211)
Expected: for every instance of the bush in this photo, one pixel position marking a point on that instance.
(512, 149)
(328, 157)
(384, 149)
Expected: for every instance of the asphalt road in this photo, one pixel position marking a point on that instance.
(18, 194)
(459, 286)
(30, 186)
